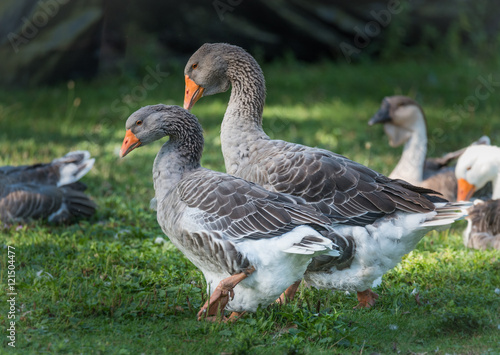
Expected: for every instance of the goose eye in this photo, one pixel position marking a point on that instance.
(139, 122)
(468, 168)
(194, 66)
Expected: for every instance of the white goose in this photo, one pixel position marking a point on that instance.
(477, 166)
(238, 234)
(383, 219)
(404, 123)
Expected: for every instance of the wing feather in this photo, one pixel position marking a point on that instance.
(345, 190)
(22, 201)
(241, 209)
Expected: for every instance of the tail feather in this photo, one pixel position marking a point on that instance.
(73, 166)
(75, 205)
(312, 245)
(59, 172)
(79, 204)
(447, 213)
(78, 185)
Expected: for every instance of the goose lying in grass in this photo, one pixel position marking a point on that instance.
(477, 166)
(382, 219)
(404, 123)
(49, 191)
(250, 243)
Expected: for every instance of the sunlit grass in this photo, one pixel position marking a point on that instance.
(105, 286)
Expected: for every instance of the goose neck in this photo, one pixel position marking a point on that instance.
(248, 93)
(242, 123)
(170, 165)
(180, 154)
(411, 164)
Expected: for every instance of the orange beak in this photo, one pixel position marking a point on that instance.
(465, 190)
(130, 142)
(193, 93)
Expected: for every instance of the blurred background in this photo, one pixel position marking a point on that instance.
(46, 41)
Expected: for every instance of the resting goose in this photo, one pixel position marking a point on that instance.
(49, 191)
(383, 219)
(404, 123)
(477, 166)
(250, 243)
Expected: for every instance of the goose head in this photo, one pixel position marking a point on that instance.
(401, 116)
(477, 166)
(206, 72)
(151, 123)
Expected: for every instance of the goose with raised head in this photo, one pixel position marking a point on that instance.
(477, 166)
(250, 243)
(382, 218)
(404, 123)
(50, 191)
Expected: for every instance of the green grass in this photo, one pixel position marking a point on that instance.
(104, 287)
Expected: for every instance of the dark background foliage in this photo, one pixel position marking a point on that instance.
(46, 41)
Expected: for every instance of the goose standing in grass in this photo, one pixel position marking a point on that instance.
(383, 219)
(49, 191)
(250, 243)
(477, 166)
(404, 123)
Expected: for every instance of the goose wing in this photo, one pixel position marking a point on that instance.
(241, 209)
(20, 201)
(345, 190)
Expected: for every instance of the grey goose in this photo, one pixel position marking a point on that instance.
(382, 218)
(250, 243)
(46, 191)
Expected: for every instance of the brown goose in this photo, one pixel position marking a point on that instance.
(404, 123)
(477, 166)
(383, 219)
(49, 191)
(238, 234)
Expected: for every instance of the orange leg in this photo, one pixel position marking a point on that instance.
(220, 297)
(235, 316)
(231, 319)
(366, 299)
(289, 293)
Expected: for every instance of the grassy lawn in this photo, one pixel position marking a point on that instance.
(104, 286)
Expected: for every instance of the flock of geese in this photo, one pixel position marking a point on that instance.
(283, 212)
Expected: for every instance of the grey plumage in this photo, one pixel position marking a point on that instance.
(242, 209)
(345, 190)
(377, 219)
(49, 191)
(210, 216)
